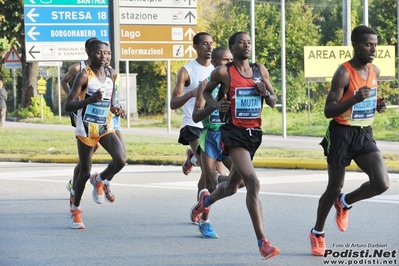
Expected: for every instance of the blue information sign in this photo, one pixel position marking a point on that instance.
(53, 26)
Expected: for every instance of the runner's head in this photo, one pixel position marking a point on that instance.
(88, 42)
(97, 51)
(221, 56)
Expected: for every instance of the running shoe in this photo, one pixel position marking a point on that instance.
(69, 185)
(207, 230)
(187, 166)
(341, 216)
(267, 250)
(76, 220)
(317, 244)
(98, 189)
(109, 196)
(70, 205)
(198, 209)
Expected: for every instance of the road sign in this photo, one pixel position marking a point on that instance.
(12, 59)
(56, 30)
(330, 57)
(50, 64)
(162, 33)
(161, 51)
(157, 30)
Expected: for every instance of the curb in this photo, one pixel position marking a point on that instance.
(279, 163)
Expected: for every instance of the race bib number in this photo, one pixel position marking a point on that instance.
(97, 113)
(366, 108)
(214, 117)
(248, 103)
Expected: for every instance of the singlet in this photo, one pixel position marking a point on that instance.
(246, 103)
(95, 119)
(362, 113)
(197, 74)
(213, 121)
(82, 65)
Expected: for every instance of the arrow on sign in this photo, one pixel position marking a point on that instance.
(190, 50)
(31, 52)
(31, 16)
(33, 1)
(32, 33)
(190, 34)
(189, 2)
(189, 15)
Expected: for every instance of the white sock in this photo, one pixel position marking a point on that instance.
(106, 182)
(72, 192)
(343, 202)
(317, 232)
(193, 160)
(75, 207)
(204, 222)
(98, 178)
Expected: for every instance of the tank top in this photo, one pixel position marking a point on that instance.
(197, 74)
(246, 103)
(361, 114)
(95, 119)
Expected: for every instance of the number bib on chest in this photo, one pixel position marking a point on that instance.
(248, 103)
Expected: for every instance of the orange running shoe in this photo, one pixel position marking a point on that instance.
(267, 250)
(187, 166)
(341, 217)
(76, 221)
(317, 244)
(109, 196)
(198, 209)
(98, 190)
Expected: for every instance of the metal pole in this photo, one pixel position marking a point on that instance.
(169, 114)
(346, 21)
(252, 16)
(41, 106)
(14, 88)
(127, 93)
(59, 91)
(308, 106)
(283, 80)
(366, 12)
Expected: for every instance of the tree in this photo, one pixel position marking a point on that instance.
(12, 28)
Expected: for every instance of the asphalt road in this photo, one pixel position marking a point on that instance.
(148, 224)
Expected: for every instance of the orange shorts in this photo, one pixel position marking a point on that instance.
(92, 141)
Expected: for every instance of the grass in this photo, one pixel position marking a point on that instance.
(48, 142)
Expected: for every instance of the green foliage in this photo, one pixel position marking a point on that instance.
(151, 88)
(34, 110)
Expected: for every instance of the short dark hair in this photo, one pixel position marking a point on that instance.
(359, 32)
(232, 39)
(197, 37)
(216, 51)
(89, 40)
(92, 44)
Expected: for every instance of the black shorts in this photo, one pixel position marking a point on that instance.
(189, 133)
(248, 138)
(342, 143)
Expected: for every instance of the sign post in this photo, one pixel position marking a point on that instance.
(41, 89)
(155, 30)
(13, 60)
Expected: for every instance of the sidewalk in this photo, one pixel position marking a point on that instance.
(292, 142)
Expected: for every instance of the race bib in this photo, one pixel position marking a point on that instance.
(97, 113)
(366, 108)
(248, 103)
